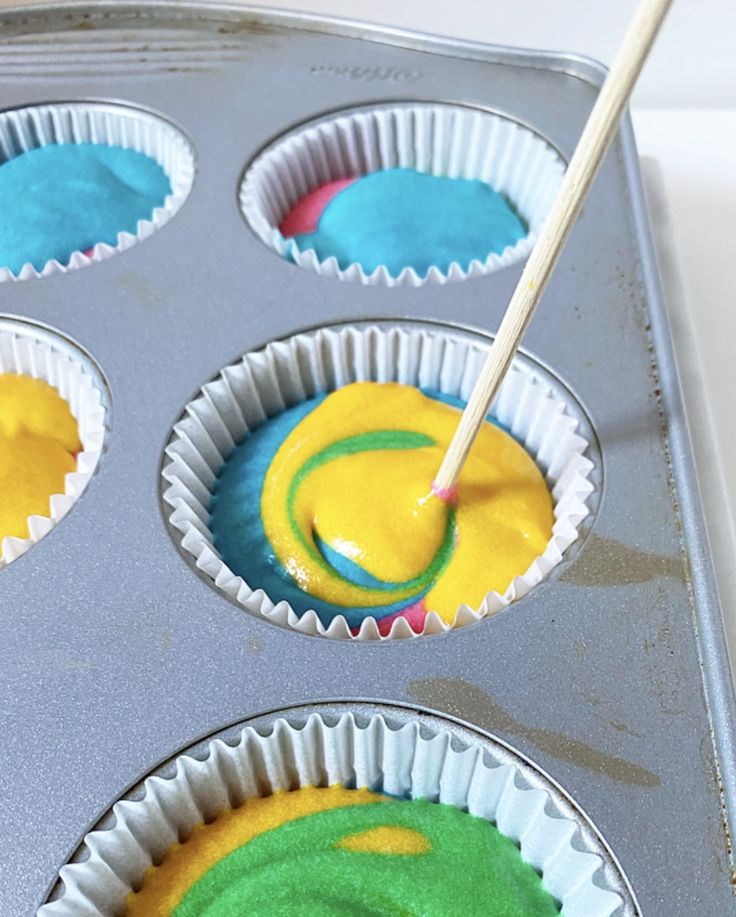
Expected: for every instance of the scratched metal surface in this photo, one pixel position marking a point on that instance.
(610, 676)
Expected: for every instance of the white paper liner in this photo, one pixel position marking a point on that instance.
(409, 760)
(284, 373)
(23, 353)
(24, 129)
(447, 140)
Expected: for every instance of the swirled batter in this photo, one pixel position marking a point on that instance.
(38, 443)
(329, 505)
(336, 851)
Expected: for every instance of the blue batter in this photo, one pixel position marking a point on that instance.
(237, 527)
(67, 197)
(402, 218)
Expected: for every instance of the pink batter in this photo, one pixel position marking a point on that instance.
(304, 216)
(415, 614)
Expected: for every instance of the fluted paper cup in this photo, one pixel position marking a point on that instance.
(409, 755)
(454, 141)
(30, 351)
(267, 381)
(24, 129)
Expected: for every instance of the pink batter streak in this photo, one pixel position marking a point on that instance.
(305, 215)
(446, 494)
(414, 614)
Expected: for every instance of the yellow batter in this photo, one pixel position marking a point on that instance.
(39, 439)
(185, 864)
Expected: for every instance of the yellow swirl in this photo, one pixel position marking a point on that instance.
(335, 485)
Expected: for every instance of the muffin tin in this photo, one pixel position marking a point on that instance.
(611, 675)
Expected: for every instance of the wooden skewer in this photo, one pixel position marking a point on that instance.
(594, 141)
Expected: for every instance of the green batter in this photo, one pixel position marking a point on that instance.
(391, 857)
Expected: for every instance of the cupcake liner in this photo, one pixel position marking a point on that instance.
(265, 382)
(413, 757)
(24, 129)
(448, 140)
(24, 352)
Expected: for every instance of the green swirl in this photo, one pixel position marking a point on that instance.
(341, 566)
(299, 869)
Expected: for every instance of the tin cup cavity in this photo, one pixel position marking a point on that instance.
(24, 129)
(30, 350)
(455, 141)
(541, 415)
(400, 752)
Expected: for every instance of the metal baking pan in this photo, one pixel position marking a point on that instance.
(612, 676)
